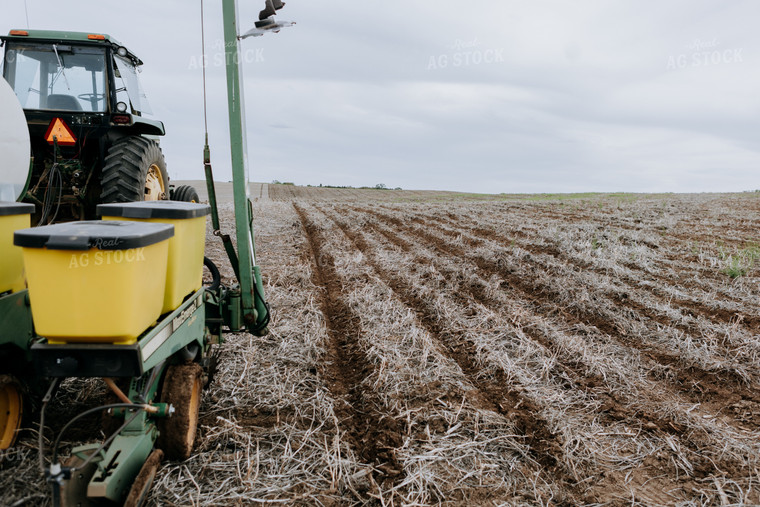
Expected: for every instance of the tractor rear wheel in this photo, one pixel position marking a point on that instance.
(182, 388)
(11, 410)
(186, 193)
(134, 170)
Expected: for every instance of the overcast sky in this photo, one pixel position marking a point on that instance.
(479, 96)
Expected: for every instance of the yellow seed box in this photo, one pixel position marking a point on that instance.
(95, 281)
(184, 273)
(13, 216)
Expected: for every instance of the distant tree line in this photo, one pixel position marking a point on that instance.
(379, 186)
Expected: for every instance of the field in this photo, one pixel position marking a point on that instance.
(437, 348)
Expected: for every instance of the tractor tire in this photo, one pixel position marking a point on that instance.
(183, 385)
(134, 170)
(185, 193)
(11, 410)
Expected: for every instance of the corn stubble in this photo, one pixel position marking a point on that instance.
(515, 352)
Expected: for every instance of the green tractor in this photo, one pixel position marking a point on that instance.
(90, 140)
(80, 98)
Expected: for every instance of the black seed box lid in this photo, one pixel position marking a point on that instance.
(103, 235)
(15, 208)
(173, 210)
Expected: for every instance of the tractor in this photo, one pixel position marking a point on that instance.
(91, 141)
(74, 101)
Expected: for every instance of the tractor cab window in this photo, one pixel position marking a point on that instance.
(128, 89)
(57, 77)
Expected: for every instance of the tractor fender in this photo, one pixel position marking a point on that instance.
(145, 126)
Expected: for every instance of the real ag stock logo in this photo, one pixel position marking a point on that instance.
(219, 57)
(699, 53)
(15, 455)
(465, 54)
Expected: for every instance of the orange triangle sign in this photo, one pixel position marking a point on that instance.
(61, 132)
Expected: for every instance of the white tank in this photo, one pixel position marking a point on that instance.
(14, 145)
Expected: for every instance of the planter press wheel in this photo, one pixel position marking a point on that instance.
(11, 410)
(182, 388)
(138, 494)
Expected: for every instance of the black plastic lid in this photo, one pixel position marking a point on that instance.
(15, 208)
(103, 235)
(154, 209)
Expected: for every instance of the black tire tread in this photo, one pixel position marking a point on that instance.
(186, 193)
(125, 169)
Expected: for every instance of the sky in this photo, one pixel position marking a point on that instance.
(482, 96)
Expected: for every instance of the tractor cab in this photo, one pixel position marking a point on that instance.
(73, 72)
(83, 101)
(57, 77)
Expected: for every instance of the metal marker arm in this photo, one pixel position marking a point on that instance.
(255, 312)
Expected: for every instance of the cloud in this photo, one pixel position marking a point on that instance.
(491, 95)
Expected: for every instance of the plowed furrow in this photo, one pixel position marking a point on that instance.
(626, 295)
(707, 281)
(683, 230)
(613, 406)
(495, 387)
(672, 259)
(692, 381)
(745, 318)
(372, 433)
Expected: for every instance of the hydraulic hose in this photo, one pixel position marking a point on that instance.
(216, 277)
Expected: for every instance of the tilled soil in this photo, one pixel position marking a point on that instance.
(513, 351)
